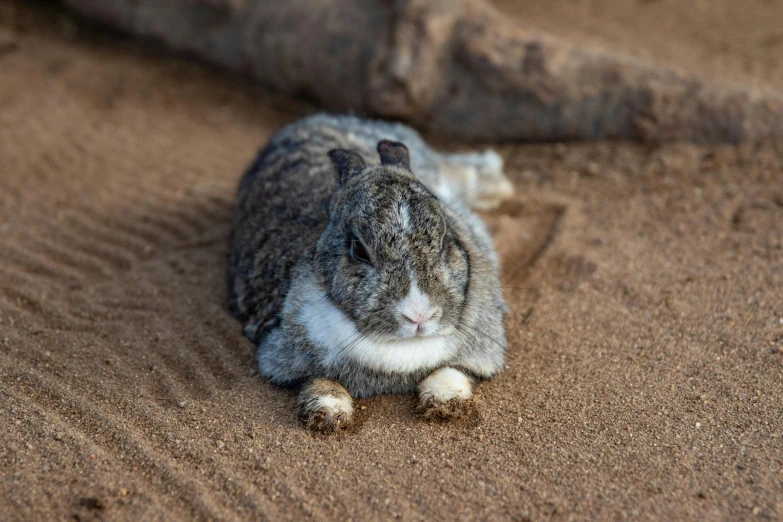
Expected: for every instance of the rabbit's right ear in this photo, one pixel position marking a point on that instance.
(348, 164)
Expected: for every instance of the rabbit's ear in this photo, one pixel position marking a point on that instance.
(395, 154)
(348, 164)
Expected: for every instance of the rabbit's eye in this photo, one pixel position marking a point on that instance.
(359, 253)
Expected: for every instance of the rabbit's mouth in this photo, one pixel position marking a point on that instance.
(411, 334)
(410, 329)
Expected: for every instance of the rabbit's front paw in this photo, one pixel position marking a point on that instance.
(445, 394)
(325, 406)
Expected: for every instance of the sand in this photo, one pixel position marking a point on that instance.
(645, 370)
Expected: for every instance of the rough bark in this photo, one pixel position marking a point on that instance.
(452, 66)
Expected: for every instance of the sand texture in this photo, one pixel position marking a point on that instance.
(645, 373)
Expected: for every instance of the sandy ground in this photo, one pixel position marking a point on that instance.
(645, 370)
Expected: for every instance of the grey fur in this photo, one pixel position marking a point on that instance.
(293, 225)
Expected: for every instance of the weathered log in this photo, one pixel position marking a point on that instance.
(451, 66)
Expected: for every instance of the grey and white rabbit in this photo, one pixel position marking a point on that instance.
(358, 268)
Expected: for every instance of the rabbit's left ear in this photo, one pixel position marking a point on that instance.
(347, 163)
(395, 154)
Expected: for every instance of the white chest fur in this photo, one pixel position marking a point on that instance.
(332, 331)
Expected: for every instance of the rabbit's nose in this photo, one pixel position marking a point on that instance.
(419, 317)
(416, 309)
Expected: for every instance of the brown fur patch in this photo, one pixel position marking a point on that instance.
(319, 387)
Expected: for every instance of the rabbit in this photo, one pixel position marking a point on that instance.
(358, 268)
